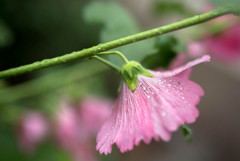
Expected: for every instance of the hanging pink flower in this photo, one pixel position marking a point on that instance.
(31, 131)
(156, 107)
(76, 126)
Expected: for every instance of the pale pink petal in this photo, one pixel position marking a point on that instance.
(178, 61)
(129, 123)
(178, 70)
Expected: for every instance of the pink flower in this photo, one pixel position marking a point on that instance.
(225, 46)
(76, 127)
(32, 129)
(158, 106)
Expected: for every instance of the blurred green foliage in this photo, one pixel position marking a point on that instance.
(5, 35)
(224, 2)
(43, 29)
(33, 30)
(167, 7)
(166, 48)
(9, 149)
(117, 23)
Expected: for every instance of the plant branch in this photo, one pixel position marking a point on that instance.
(86, 53)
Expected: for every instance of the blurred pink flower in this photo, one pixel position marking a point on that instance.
(76, 127)
(158, 106)
(93, 113)
(31, 130)
(195, 49)
(225, 46)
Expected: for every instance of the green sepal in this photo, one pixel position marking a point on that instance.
(130, 72)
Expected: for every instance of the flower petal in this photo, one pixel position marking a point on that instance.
(129, 123)
(178, 70)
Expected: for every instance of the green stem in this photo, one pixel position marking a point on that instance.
(107, 63)
(85, 53)
(116, 53)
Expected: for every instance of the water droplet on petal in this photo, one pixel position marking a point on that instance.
(164, 113)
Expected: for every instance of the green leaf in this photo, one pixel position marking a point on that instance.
(187, 133)
(117, 23)
(166, 48)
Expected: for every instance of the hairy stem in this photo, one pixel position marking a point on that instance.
(86, 53)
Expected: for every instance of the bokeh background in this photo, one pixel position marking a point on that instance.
(35, 30)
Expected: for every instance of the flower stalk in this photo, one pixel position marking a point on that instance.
(108, 63)
(116, 53)
(87, 53)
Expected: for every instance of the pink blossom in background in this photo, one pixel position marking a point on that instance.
(31, 130)
(66, 126)
(94, 112)
(158, 106)
(75, 127)
(225, 46)
(196, 49)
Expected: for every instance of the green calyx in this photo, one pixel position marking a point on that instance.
(130, 72)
